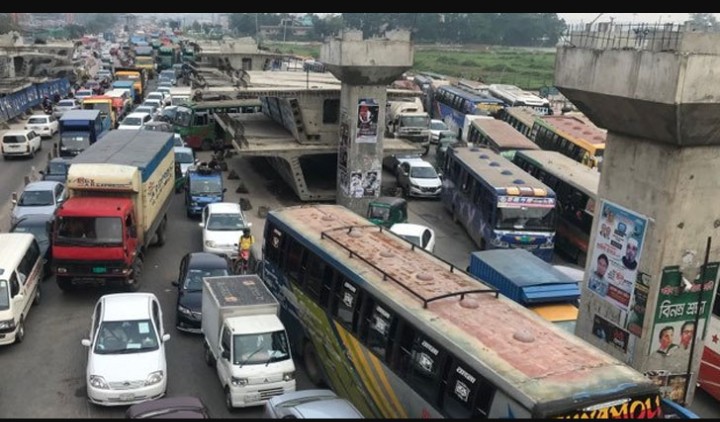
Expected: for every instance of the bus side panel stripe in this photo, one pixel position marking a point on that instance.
(399, 409)
(360, 363)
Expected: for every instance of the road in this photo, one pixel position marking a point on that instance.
(50, 364)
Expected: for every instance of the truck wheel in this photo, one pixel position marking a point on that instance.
(133, 283)
(228, 398)
(311, 366)
(20, 333)
(209, 360)
(64, 283)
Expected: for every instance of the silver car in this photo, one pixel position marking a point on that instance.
(310, 404)
(64, 105)
(41, 197)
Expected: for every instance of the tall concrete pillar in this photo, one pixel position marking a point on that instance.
(657, 92)
(365, 68)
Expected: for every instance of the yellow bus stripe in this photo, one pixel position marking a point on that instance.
(364, 373)
(400, 410)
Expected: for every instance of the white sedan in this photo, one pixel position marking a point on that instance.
(43, 124)
(223, 224)
(126, 350)
(416, 234)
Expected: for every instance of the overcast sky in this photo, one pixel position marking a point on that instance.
(627, 17)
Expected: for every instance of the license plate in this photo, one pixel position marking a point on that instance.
(99, 270)
(127, 396)
(252, 397)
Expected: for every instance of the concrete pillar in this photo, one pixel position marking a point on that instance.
(365, 68)
(658, 95)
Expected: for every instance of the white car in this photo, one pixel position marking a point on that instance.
(135, 120)
(126, 350)
(159, 105)
(43, 125)
(436, 127)
(416, 234)
(20, 143)
(81, 94)
(65, 105)
(222, 224)
(416, 177)
(163, 97)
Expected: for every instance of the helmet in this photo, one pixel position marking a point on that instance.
(246, 232)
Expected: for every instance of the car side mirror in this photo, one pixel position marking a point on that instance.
(85, 342)
(165, 337)
(225, 354)
(440, 175)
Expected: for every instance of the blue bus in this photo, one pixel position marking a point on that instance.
(451, 104)
(499, 204)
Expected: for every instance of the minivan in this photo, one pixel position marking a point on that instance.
(21, 270)
(20, 143)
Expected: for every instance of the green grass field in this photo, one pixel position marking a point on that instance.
(527, 68)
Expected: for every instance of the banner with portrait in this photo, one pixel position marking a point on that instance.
(616, 254)
(367, 121)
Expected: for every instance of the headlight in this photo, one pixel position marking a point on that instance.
(289, 376)
(185, 311)
(193, 204)
(97, 381)
(238, 381)
(210, 243)
(7, 325)
(154, 378)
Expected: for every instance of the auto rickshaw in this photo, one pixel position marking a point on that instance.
(387, 210)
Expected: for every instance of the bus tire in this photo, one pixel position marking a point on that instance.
(206, 144)
(311, 365)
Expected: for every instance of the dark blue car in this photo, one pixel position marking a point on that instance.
(56, 170)
(204, 186)
(40, 225)
(193, 268)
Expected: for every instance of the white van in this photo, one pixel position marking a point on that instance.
(21, 270)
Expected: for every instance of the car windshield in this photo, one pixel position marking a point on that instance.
(184, 158)
(36, 198)
(57, 168)
(415, 240)
(423, 172)
(132, 121)
(4, 295)
(13, 139)
(254, 349)
(194, 279)
(121, 337)
(37, 120)
(205, 186)
(438, 126)
(89, 231)
(182, 116)
(376, 212)
(225, 222)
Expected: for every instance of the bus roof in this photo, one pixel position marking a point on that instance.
(523, 114)
(472, 96)
(223, 103)
(517, 349)
(565, 168)
(576, 128)
(504, 135)
(499, 172)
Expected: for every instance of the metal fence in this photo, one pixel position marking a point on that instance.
(14, 104)
(608, 36)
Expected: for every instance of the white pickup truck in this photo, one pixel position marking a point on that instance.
(245, 340)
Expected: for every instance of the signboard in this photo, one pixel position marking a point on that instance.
(367, 121)
(644, 407)
(616, 253)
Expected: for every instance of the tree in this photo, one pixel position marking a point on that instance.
(196, 26)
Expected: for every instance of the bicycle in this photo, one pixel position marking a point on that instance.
(241, 264)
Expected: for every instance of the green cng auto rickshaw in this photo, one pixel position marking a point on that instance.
(387, 210)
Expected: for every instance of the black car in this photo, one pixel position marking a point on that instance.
(193, 267)
(39, 225)
(56, 170)
(186, 407)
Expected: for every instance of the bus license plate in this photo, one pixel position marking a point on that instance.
(99, 270)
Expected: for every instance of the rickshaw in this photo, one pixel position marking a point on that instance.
(387, 210)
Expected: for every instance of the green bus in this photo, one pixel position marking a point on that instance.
(401, 333)
(195, 121)
(165, 58)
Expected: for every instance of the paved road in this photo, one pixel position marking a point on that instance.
(50, 364)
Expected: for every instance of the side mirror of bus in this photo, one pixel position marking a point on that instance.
(440, 175)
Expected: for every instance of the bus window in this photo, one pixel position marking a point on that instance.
(294, 260)
(467, 394)
(274, 245)
(377, 328)
(201, 119)
(420, 360)
(318, 277)
(346, 303)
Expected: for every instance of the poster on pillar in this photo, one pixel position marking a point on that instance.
(677, 308)
(616, 253)
(356, 185)
(371, 183)
(367, 121)
(343, 150)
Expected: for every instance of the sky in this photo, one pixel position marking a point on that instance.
(572, 18)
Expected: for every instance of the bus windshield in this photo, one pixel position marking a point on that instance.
(525, 218)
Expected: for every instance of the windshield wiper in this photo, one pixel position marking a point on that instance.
(249, 356)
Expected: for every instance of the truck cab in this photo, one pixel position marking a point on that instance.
(204, 186)
(413, 126)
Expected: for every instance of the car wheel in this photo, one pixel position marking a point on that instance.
(20, 334)
(36, 301)
(228, 398)
(133, 283)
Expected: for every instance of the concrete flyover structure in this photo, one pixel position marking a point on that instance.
(656, 90)
(365, 67)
